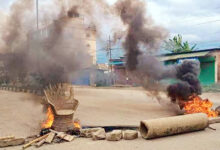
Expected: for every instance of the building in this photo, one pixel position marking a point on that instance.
(76, 27)
(209, 63)
(73, 29)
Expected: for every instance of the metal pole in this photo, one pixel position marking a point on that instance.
(110, 59)
(110, 52)
(37, 13)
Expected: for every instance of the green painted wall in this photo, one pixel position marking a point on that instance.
(207, 72)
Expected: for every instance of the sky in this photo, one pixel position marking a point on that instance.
(195, 20)
(198, 21)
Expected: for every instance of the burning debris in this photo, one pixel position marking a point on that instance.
(50, 118)
(142, 40)
(61, 107)
(58, 56)
(187, 73)
(195, 104)
(59, 125)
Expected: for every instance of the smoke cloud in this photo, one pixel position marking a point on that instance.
(48, 56)
(141, 32)
(142, 40)
(189, 84)
(58, 50)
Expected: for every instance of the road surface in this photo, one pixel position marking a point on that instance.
(21, 115)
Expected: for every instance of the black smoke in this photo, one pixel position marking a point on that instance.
(187, 73)
(142, 40)
(141, 31)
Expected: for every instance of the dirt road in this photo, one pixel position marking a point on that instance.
(21, 114)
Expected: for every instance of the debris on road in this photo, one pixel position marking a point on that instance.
(99, 135)
(155, 128)
(115, 135)
(11, 141)
(130, 134)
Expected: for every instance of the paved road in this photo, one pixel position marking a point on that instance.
(21, 114)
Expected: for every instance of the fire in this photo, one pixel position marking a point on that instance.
(50, 118)
(198, 105)
(76, 124)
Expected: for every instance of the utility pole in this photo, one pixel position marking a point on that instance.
(109, 51)
(37, 13)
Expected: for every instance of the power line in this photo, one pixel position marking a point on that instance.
(208, 22)
(104, 49)
(191, 19)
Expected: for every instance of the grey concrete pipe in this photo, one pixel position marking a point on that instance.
(155, 128)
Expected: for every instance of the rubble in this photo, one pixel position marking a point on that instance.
(39, 144)
(50, 137)
(88, 132)
(63, 136)
(99, 134)
(130, 134)
(11, 141)
(35, 141)
(7, 137)
(115, 135)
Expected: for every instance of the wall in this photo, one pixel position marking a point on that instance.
(90, 36)
(207, 74)
(218, 66)
(208, 69)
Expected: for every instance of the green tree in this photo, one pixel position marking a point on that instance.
(177, 45)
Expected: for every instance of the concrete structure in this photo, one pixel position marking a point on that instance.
(78, 30)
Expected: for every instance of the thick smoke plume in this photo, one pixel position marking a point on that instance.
(58, 50)
(141, 31)
(46, 56)
(142, 40)
(189, 84)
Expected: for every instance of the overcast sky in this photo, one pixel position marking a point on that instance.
(196, 20)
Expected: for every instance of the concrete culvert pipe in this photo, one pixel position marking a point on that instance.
(155, 128)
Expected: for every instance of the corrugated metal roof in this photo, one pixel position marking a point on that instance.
(186, 55)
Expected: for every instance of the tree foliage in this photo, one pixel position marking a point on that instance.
(177, 45)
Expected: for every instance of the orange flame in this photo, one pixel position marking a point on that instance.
(76, 124)
(50, 118)
(197, 105)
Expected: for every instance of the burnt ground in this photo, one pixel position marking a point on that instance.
(21, 114)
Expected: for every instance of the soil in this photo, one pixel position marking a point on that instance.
(21, 115)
